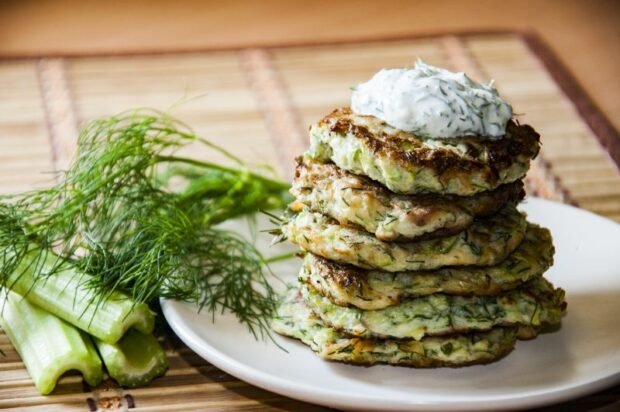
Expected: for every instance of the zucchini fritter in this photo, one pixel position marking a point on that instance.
(486, 242)
(409, 164)
(296, 320)
(357, 200)
(534, 305)
(346, 285)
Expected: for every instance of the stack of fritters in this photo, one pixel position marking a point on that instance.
(414, 251)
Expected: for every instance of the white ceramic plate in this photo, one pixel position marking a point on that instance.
(583, 357)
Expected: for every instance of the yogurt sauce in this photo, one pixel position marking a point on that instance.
(433, 102)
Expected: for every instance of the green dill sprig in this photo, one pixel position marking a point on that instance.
(119, 214)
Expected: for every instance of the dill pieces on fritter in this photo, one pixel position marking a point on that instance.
(116, 215)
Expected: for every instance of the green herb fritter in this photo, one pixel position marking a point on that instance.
(409, 164)
(347, 285)
(534, 305)
(486, 242)
(356, 200)
(296, 320)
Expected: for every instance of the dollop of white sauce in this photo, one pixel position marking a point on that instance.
(433, 102)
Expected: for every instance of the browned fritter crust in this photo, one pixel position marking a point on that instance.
(483, 161)
(346, 285)
(481, 204)
(486, 155)
(356, 200)
(296, 320)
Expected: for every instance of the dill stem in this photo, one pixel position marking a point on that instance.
(275, 184)
(278, 258)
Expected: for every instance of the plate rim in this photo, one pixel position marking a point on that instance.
(338, 399)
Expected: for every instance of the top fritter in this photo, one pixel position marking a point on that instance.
(426, 130)
(410, 164)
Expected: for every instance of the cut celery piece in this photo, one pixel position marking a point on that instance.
(135, 360)
(64, 295)
(48, 346)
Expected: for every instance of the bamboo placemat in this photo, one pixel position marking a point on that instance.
(258, 103)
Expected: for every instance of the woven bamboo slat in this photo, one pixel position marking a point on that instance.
(258, 103)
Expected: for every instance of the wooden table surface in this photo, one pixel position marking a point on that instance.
(583, 34)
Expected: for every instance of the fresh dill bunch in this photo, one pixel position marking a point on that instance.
(116, 215)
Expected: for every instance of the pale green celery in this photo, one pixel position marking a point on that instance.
(64, 295)
(135, 360)
(48, 346)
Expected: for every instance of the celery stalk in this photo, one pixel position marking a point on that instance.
(64, 295)
(48, 346)
(135, 360)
